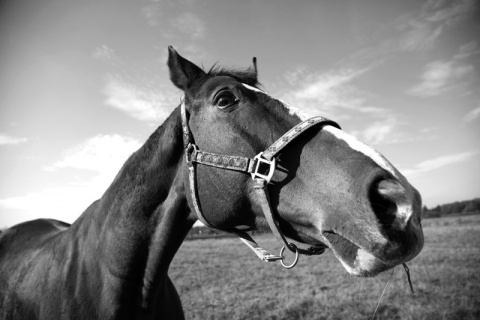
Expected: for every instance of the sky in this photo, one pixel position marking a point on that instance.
(84, 83)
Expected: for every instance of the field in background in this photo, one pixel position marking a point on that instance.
(223, 279)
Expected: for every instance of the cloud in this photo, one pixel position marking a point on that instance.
(420, 30)
(323, 83)
(63, 203)
(440, 162)
(440, 77)
(101, 154)
(387, 130)
(104, 52)
(472, 115)
(9, 140)
(152, 12)
(190, 24)
(107, 55)
(379, 131)
(140, 103)
(333, 94)
(325, 93)
(435, 18)
(467, 50)
(136, 91)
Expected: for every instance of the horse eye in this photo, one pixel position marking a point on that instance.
(225, 99)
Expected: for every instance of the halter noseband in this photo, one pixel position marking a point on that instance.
(261, 180)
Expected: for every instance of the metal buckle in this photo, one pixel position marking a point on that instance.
(261, 161)
(190, 150)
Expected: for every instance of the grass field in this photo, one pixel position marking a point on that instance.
(223, 279)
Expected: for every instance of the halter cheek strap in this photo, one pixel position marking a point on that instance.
(253, 166)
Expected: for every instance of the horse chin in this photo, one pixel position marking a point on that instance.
(357, 261)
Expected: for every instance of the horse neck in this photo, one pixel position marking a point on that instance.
(142, 219)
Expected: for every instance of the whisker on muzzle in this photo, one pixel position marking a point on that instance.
(383, 293)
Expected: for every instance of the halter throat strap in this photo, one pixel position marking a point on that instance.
(262, 161)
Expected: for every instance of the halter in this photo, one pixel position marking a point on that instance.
(256, 167)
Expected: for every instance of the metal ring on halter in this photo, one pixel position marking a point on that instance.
(294, 262)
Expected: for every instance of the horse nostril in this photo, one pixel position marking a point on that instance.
(390, 203)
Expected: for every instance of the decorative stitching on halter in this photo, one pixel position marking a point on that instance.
(236, 163)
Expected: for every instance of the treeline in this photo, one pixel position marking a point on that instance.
(454, 208)
(207, 233)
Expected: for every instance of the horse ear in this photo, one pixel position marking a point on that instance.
(254, 69)
(182, 71)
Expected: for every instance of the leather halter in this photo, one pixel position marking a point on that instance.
(252, 166)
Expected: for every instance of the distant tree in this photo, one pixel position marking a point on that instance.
(472, 206)
(458, 207)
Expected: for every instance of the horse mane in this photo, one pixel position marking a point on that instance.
(244, 75)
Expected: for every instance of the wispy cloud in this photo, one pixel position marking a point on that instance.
(440, 162)
(334, 94)
(467, 50)
(189, 24)
(140, 103)
(422, 31)
(440, 77)
(329, 93)
(452, 76)
(101, 154)
(9, 140)
(380, 131)
(179, 21)
(63, 203)
(472, 115)
(109, 57)
(152, 12)
(135, 91)
(104, 52)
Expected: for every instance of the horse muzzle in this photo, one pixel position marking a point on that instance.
(389, 234)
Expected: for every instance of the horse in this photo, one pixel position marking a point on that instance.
(236, 158)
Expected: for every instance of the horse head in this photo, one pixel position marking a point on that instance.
(327, 188)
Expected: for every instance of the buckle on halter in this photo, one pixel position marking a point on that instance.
(190, 152)
(261, 166)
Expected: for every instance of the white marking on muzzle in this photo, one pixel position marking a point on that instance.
(362, 147)
(365, 261)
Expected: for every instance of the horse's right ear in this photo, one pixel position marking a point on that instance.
(182, 71)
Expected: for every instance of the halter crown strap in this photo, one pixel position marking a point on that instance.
(252, 166)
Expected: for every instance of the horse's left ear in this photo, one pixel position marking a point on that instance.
(182, 72)
(254, 69)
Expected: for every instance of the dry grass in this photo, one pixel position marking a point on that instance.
(222, 279)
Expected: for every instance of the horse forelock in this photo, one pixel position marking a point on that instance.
(245, 75)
